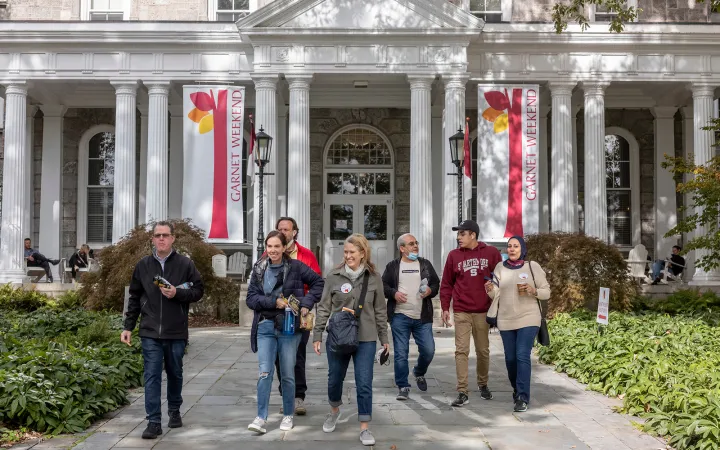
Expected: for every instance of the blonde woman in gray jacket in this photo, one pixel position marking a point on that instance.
(515, 304)
(343, 287)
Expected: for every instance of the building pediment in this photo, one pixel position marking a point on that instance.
(359, 15)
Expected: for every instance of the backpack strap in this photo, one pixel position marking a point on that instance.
(363, 293)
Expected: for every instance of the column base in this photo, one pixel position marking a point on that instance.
(12, 276)
(703, 278)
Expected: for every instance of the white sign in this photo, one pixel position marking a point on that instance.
(508, 169)
(213, 152)
(603, 306)
(219, 265)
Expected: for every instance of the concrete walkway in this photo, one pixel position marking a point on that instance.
(221, 374)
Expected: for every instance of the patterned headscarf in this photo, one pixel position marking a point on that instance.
(523, 253)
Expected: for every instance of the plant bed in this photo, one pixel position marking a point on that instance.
(663, 368)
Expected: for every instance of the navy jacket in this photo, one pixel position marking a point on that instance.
(294, 276)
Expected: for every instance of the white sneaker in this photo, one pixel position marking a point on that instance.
(330, 422)
(287, 423)
(258, 426)
(366, 438)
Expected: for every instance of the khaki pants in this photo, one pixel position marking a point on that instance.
(474, 324)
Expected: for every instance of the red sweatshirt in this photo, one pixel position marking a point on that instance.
(463, 279)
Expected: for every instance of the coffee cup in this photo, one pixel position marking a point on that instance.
(521, 287)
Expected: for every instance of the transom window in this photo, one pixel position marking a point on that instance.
(231, 10)
(617, 184)
(488, 10)
(107, 10)
(100, 181)
(359, 146)
(358, 183)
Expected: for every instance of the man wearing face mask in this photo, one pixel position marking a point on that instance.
(410, 282)
(288, 226)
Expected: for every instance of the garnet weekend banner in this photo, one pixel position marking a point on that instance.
(213, 145)
(507, 164)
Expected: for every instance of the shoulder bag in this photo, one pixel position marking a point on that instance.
(492, 320)
(543, 337)
(343, 327)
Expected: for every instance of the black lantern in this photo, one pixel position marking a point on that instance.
(264, 146)
(457, 154)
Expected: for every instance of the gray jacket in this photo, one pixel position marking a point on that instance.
(373, 320)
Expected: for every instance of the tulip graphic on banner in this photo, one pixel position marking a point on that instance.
(219, 111)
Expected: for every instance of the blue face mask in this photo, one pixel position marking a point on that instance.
(412, 256)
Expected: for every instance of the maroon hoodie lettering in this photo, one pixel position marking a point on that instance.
(463, 280)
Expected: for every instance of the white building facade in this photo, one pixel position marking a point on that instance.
(360, 97)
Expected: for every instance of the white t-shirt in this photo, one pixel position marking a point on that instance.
(409, 284)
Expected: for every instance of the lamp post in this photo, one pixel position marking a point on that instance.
(457, 154)
(264, 148)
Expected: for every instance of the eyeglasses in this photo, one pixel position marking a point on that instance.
(162, 235)
(412, 244)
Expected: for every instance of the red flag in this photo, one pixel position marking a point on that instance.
(467, 166)
(251, 155)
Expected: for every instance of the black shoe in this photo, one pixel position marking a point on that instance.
(403, 393)
(48, 280)
(152, 431)
(485, 393)
(175, 419)
(520, 406)
(461, 400)
(54, 262)
(421, 383)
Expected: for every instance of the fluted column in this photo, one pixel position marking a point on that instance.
(50, 242)
(543, 187)
(454, 119)
(29, 209)
(14, 188)
(562, 206)
(176, 163)
(266, 117)
(124, 178)
(703, 95)
(595, 192)
(421, 214)
(688, 149)
(156, 197)
(298, 192)
(665, 205)
(143, 109)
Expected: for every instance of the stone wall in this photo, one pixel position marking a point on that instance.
(41, 10)
(673, 11)
(394, 123)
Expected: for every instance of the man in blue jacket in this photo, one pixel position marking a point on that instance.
(410, 282)
(164, 323)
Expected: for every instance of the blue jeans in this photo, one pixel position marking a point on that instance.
(271, 343)
(363, 360)
(155, 351)
(518, 344)
(402, 326)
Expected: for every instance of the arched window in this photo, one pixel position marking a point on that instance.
(619, 190)
(96, 178)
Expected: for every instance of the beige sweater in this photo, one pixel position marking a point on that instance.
(515, 311)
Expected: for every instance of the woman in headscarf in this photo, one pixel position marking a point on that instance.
(516, 289)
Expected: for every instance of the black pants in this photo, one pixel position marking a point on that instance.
(300, 381)
(41, 261)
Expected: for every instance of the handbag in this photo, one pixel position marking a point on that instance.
(543, 336)
(343, 327)
(307, 322)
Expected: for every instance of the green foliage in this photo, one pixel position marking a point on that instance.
(70, 300)
(59, 370)
(105, 290)
(19, 299)
(577, 266)
(663, 368)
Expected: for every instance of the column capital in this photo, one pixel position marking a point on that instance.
(265, 80)
(702, 89)
(158, 87)
(595, 87)
(125, 87)
(561, 87)
(456, 80)
(53, 110)
(300, 81)
(421, 82)
(17, 87)
(664, 112)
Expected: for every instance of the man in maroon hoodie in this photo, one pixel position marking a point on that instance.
(463, 285)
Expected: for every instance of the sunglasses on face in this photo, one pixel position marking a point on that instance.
(162, 235)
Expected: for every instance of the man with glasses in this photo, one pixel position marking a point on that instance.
(410, 283)
(463, 285)
(162, 287)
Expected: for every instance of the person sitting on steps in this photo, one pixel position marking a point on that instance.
(36, 259)
(80, 260)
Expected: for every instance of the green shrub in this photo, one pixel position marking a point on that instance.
(664, 368)
(70, 300)
(105, 290)
(577, 267)
(19, 299)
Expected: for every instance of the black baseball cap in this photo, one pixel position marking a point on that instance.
(468, 225)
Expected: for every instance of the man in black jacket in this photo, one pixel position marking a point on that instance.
(164, 324)
(410, 283)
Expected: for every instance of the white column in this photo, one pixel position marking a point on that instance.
(703, 95)
(544, 187)
(574, 110)
(665, 205)
(595, 193)
(438, 181)
(688, 149)
(29, 210)
(280, 145)
(421, 212)
(176, 164)
(156, 197)
(298, 180)
(124, 181)
(50, 240)
(14, 188)
(454, 119)
(266, 117)
(562, 215)
(143, 160)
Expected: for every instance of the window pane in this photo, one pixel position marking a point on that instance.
(375, 217)
(624, 175)
(95, 169)
(619, 218)
(334, 183)
(225, 17)
(99, 218)
(224, 4)
(359, 146)
(366, 183)
(242, 5)
(341, 221)
(116, 5)
(100, 4)
(350, 183)
(382, 183)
